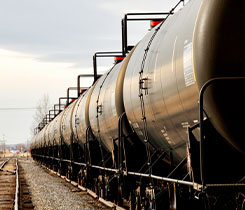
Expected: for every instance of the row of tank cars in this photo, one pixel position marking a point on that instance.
(135, 136)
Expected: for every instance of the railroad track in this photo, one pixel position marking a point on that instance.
(14, 193)
(9, 187)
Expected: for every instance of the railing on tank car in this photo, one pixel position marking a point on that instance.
(201, 126)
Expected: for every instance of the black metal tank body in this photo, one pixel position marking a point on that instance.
(218, 47)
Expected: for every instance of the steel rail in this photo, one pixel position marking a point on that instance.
(3, 163)
(16, 172)
(17, 185)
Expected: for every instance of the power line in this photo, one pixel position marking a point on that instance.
(19, 108)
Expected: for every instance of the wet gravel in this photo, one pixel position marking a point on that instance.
(50, 192)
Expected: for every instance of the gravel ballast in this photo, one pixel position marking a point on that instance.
(50, 192)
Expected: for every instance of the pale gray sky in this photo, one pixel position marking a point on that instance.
(45, 44)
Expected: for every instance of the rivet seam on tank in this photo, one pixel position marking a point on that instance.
(142, 87)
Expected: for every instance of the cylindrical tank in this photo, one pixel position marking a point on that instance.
(161, 87)
(34, 144)
(106, 105)
(49, 134)
(66, 128)
(103, 112)
(41, 138)
(80, 116)
(162, 72)
(218, 49)
(57, 128)
(38, 141)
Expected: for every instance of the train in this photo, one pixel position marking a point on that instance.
(163, 128)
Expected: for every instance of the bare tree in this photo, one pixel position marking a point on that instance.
(42, 109)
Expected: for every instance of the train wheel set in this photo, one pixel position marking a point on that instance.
(163, 128)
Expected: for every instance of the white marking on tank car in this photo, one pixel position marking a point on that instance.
(195, 121)
(173, 55)
(188, 68)
(185, 124)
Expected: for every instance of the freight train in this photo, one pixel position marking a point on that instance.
(163, 128)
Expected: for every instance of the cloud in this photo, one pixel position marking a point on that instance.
(67, 31)
(56, 29)
(119, 8)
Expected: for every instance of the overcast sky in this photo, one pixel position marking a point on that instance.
(45, 44)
